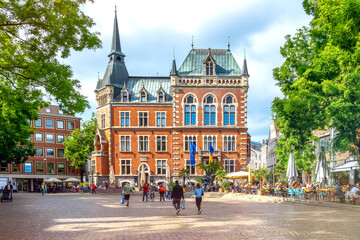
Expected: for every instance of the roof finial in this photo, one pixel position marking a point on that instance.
(228, 42)
(115, 8)
(192, 42)
(98, 75)
(173, 53)
(244, 54)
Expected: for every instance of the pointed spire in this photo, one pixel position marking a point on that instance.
(116, 46)
(229, 43)
(245, 70)
(173, 68)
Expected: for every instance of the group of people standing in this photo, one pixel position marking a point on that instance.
(176, 194)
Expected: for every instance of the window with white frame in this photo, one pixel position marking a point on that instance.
(70, 125)
(60, 138)
(229, 143)
(161, 96)
(60, 153)
(209, 139)
(192, 168)
(125, 166)
(102, 121)
(125, 119)
(38, 137)
(125, 143)
(143, 143)
(209, 111)
(39, 152)
(161, 167)
(160, 119)
(160, 143)
(38, 122)
(229, 110)
(190, 110)
(49, 137)
(229, 165)
(49, 123)
(60, 124)
(50, 152)
(125, 96)
(143, 96)
(143, 119)
(187, 140)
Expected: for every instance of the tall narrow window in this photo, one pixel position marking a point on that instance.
(229, 143)
(207, 140)
(209, 68)
(125, 143)
(187, 140)
(125, 119)
(209, 111)
(143, 143)
(160, 143)
(143, 97)
(160, 119)
(229, 111)
(143, 119)
(161, 97)
(102, 120)
(125, 97)
(190, 111)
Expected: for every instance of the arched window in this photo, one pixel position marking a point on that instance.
(125, 97)
(209, 111)
(229, 111)
(190, 111)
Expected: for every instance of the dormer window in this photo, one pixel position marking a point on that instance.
(125, 97)
(209, 68)
(143, 96)
(161, 97)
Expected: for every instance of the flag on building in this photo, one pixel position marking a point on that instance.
(211, 153)
(192, 153)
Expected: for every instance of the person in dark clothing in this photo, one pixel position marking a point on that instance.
(176, 196)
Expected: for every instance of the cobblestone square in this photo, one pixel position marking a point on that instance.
(100, 216)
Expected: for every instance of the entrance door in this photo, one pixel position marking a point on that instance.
(147, 173)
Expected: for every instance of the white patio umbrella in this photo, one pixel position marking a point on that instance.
(322, 170)
(53, 180)
(72, 180)
(291, 172)
(142, 176)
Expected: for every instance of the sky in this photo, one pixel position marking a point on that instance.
(151, 31)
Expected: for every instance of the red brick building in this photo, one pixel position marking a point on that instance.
(51, 129)
(150, 121)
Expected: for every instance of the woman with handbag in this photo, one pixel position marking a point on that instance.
(199, 192)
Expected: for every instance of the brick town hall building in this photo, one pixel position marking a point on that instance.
(150, 121)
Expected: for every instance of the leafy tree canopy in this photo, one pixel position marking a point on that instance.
(320, 81)
(33, 36)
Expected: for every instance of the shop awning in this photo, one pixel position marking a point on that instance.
(346, 167)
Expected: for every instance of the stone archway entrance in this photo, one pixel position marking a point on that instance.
(147, 173)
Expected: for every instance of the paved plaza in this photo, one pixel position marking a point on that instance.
(100, 216)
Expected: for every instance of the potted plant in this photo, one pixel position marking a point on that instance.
(225, 184)
(261, 174)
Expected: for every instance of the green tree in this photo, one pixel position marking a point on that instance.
(260, 174)
(80, 144)
(320, 81)
(184, 173)
(220, 174)
(210, 168)
(34, 35)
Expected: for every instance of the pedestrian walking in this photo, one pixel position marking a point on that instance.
(162, 192)
(93, 189)
(42, 189)
(145, 189)
(176, 196)
(199, 192)
(127, 190)
(168, 193)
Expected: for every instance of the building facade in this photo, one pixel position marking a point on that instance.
(51, 128)
(255, 159)
(149, 122)
(274, 134)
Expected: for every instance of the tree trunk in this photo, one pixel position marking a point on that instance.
(81, 174)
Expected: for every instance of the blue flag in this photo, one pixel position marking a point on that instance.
(192, 153)
(211, 152)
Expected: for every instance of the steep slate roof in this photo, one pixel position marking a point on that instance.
(151, 85)
(226, 64)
